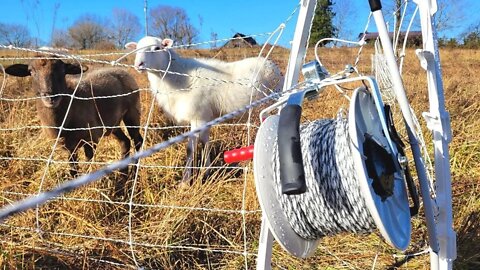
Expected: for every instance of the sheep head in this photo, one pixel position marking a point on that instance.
(48, 78)
(151, 53)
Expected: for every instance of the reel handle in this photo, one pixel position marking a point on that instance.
(292, 174)
(375, 5)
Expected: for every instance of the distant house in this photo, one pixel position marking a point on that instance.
(240, 41)
(414, 37)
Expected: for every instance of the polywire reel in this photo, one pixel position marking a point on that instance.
(391, 214)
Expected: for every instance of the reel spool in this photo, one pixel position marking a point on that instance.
(381, 183)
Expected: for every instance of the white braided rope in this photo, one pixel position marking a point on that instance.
(333, 201)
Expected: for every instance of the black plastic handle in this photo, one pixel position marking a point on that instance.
(292, 174)
(375, 5)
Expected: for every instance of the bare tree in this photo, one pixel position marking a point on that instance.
(172, 22)
(393, 9)
(344, 15)
(33, 14)
(398, 13)
(213, 38)
(15, 34)
(60, 39)
(56, 7)
(449, 14)
(471, 36)
(87, 31)
(125, 26)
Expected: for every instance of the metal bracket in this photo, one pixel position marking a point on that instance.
(436, 121)
(426, 58)
(439, 123)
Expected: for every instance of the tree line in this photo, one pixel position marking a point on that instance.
(91, 31)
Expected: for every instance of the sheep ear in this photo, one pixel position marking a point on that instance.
(18, 70)
(167, 43)
(74, 69)
(131, 45)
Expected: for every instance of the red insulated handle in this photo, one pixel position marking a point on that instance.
(237, 155)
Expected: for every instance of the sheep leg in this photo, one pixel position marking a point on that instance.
(204, 138)
(132, 121)
(73, 158)
(191, 149)
(123, 140)
(89, 150)
(137, 139)
(120, 185)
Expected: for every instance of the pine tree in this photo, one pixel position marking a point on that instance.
(323, 22)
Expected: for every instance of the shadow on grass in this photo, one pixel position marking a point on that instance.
(468, 245)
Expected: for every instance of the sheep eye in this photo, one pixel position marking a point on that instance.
(157, 48)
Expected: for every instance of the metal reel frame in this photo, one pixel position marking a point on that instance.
(442, 238)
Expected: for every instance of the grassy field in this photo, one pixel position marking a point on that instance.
(215, 224)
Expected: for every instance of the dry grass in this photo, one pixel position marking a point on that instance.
(201, 227)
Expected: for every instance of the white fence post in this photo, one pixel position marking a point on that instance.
(295, 62)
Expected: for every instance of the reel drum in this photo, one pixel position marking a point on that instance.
(390, 212)
(264, 184)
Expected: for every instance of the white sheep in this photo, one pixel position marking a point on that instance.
(184, 91)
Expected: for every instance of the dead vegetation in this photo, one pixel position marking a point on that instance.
(202, 226)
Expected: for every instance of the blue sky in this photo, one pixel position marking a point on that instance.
(246, 16)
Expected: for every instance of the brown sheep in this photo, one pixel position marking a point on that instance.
(89, 117)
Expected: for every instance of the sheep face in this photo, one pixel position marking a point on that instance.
(152, 53)
(48, 78)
